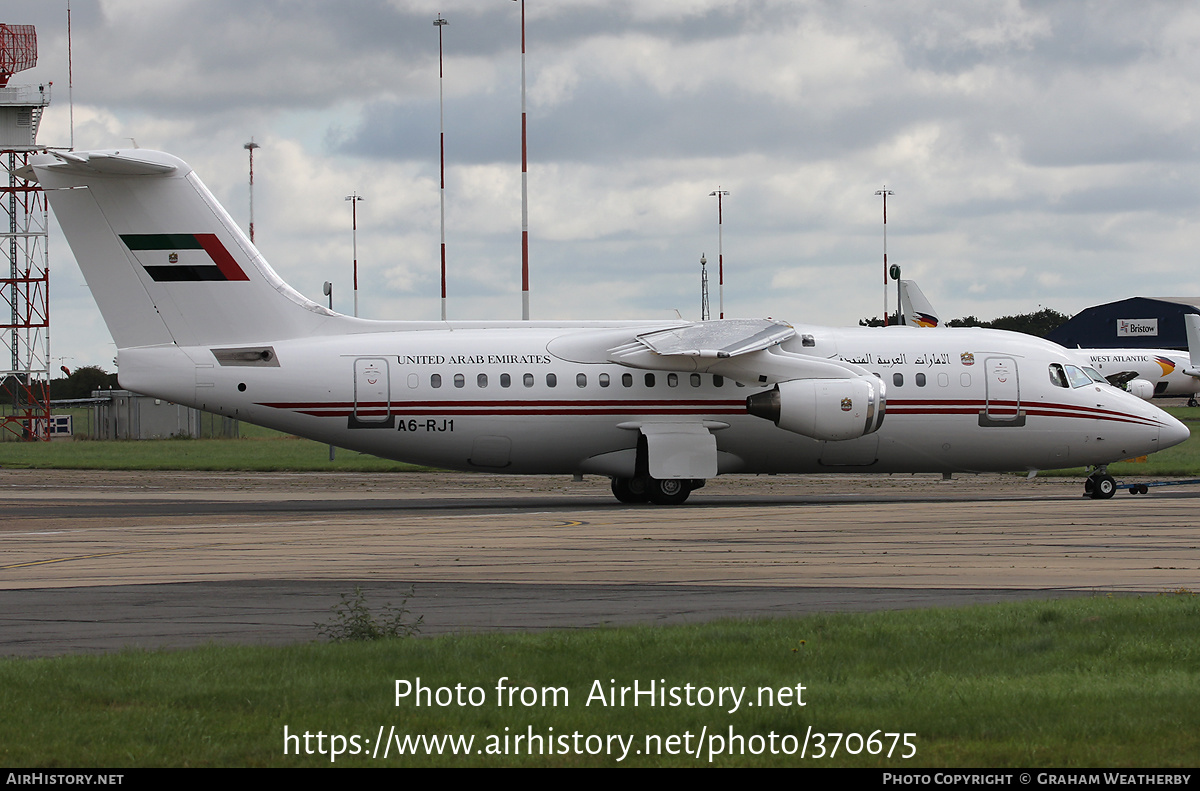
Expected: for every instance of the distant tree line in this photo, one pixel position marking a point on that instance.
(81, 382)
(1039, 324)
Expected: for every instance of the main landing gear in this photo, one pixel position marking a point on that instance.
(660, 491)
(1100, 485)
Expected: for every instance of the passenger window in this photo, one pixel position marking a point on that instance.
(481, 380)
(460, 380)
(649, 380)
(898, 379)
(581, 380)
(505, 380)
(920, 380)
(672, 380)
(604, 380)
(964, 379)
(626, 380)
(414, 381)
(527, 380)
(718, 380)
(695, 380)
(435, 381)
(551, 380)
(943, 380)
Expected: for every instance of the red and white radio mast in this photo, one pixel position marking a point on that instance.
(25, 282)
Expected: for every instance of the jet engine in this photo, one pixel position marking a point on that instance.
(829, 409)
(1141, 388)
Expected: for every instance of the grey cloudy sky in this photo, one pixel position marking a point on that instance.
(1041, 153)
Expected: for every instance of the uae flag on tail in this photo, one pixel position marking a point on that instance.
(183, 257)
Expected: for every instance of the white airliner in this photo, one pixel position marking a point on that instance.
(199, 318)
(1147, 373)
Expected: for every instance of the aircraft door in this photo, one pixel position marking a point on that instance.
(372, 394)
(1003, 406)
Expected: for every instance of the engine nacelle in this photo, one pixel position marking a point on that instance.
(830, 409)
(1141, 388)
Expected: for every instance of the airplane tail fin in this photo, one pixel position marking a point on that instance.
(1191, 323)
(915, 309)
(163, 259)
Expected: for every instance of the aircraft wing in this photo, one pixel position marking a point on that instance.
(717, 339)
(746, 350)
(818, 397)
(1121, 378)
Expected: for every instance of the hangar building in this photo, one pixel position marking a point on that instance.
(1135, 323)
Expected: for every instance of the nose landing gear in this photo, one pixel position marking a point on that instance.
(1100, 485)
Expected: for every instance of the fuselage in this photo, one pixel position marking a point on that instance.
(545, 399)
(1163, 368)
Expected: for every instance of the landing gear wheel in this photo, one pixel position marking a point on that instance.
(630, 490)
(1103, 486)
(1193, 402)
(669, 491)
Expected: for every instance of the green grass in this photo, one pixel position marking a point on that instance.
(1071, 683)
(255, 454)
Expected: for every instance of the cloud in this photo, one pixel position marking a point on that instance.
(1040, 153)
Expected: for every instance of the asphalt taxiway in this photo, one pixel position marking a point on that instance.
(96, 561)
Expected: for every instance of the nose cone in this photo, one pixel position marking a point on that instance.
(1172, 432)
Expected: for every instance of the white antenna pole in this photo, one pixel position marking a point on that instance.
(70, 79)
(440, 23)
(250, 147)
(720, 193)
(885, 192)
(524, 185)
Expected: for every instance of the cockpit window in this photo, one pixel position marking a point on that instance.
(1077, 377)
(1058, 377)
(1097, 377)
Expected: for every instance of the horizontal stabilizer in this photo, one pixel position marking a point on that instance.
(135, 162)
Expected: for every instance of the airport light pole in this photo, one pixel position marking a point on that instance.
(440, 23)
(328, 289)
(250, 147)
(524, 184)
(720, 193)
(354, 198)
(885, 192)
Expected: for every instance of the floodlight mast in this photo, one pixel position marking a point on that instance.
(720, 193)
(250, 147)
(524, 184)
(885, 192)
(440, 22)
(354, 198)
